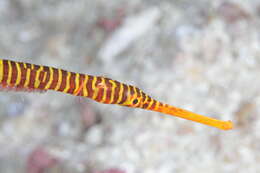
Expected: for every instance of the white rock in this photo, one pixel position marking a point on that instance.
(133, 28)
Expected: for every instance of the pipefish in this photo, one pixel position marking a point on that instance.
(22, 76)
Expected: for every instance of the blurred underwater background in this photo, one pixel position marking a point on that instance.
(203, 56)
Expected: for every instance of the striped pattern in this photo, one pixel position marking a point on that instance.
(31, 77)
(26, 76)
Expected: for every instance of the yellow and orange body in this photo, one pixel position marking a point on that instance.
(30, 77)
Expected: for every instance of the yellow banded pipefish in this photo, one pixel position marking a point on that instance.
(31, 77)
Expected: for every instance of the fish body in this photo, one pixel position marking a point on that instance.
(22, 76)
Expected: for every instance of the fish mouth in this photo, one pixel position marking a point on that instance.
(185, 114)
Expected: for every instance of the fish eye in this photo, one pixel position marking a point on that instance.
(135, 101)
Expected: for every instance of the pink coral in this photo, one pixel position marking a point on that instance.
(40, 160)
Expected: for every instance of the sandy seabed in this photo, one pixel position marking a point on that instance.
(203, 56)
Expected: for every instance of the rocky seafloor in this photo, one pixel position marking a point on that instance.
(202, 55)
